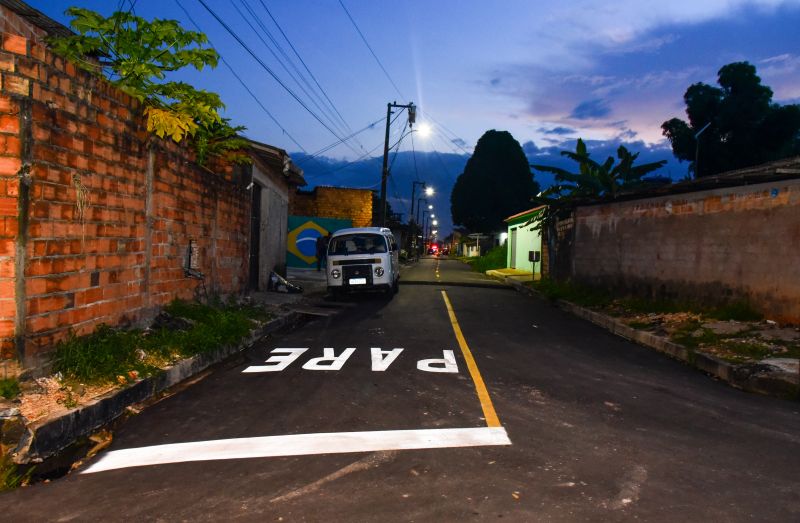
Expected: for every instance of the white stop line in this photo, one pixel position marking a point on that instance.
(300, 445)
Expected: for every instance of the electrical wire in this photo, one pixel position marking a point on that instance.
(414, 156)
(266, 67)
(352, 135)
(364, 39)
(300, 58)
(455, 140)
(281, 62)
(242, 82)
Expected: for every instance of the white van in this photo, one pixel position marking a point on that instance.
(363, 258)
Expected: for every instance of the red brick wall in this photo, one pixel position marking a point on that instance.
(334, 202)
(124, 256)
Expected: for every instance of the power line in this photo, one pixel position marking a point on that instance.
(297, 54)
(347, 164)
(414, 155)
(352, 135)
(364, 39)
(266, 67)
(281, 62)
(241, 81)
(298, 77)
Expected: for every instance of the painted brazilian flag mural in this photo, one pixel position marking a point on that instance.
(303, 234)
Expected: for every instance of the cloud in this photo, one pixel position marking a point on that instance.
(529, 148)
(459, 142)
(591, 109)
(557, 130)
(495, 82)
(780, 65)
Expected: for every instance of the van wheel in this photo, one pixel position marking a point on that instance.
(396, 286)
(335, 293)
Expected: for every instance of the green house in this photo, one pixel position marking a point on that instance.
(524, 242)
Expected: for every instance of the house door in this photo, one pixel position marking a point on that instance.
(255, 236)
(512, 247)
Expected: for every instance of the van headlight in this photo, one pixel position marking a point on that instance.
(378, 271)
(335, 274)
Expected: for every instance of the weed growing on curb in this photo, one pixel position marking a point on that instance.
(10, 477)
(9, 388)
(109, 355)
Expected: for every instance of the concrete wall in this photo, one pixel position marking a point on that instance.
(95, 213)
(707, 246)
(274, 222)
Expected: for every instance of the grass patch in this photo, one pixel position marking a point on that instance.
(692, 334)
(495, 258)
(10, 476)
(578, 294)
(108, 354)
(9, 388)
(736, 311)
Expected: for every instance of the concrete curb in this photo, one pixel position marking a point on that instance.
(758, 378)
(46, 438)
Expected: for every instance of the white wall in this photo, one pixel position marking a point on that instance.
(274, 225)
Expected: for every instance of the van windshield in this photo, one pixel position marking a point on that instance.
(361, 243)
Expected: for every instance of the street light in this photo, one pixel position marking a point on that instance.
(429, 191)
(424, 130)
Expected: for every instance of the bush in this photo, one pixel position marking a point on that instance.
(9, 388)
(496, 258)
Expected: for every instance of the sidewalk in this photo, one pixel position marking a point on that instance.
(313, 283)
(512, 274)
(776, 377)
(42, 439)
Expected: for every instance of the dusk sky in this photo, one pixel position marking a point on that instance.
(548, 72)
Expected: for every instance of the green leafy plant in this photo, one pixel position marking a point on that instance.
(592, 181)
(495, 258)
(136, 55)
(10, 476)
(108, 354)
(9, 388)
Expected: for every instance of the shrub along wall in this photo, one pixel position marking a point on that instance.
(96, 215)
(711, 246)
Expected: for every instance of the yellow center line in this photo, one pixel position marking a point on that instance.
(483, 394)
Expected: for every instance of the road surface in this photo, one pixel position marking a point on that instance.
(455, 403)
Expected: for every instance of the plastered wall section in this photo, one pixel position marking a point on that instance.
(334, 202)
(96, 215)
(274, 222)
(710, 246)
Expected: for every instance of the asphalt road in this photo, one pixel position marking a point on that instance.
(600, 429)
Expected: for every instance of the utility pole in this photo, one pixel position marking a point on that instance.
(697, 150)
(412, 116)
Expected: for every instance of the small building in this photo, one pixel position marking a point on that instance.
(322, 210)
(274, 178)
(524, 242)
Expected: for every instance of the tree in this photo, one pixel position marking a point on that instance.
(136, 55)
(593, 180)
(744, 126)
(496, 183)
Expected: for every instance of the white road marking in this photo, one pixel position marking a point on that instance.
(300, 445)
